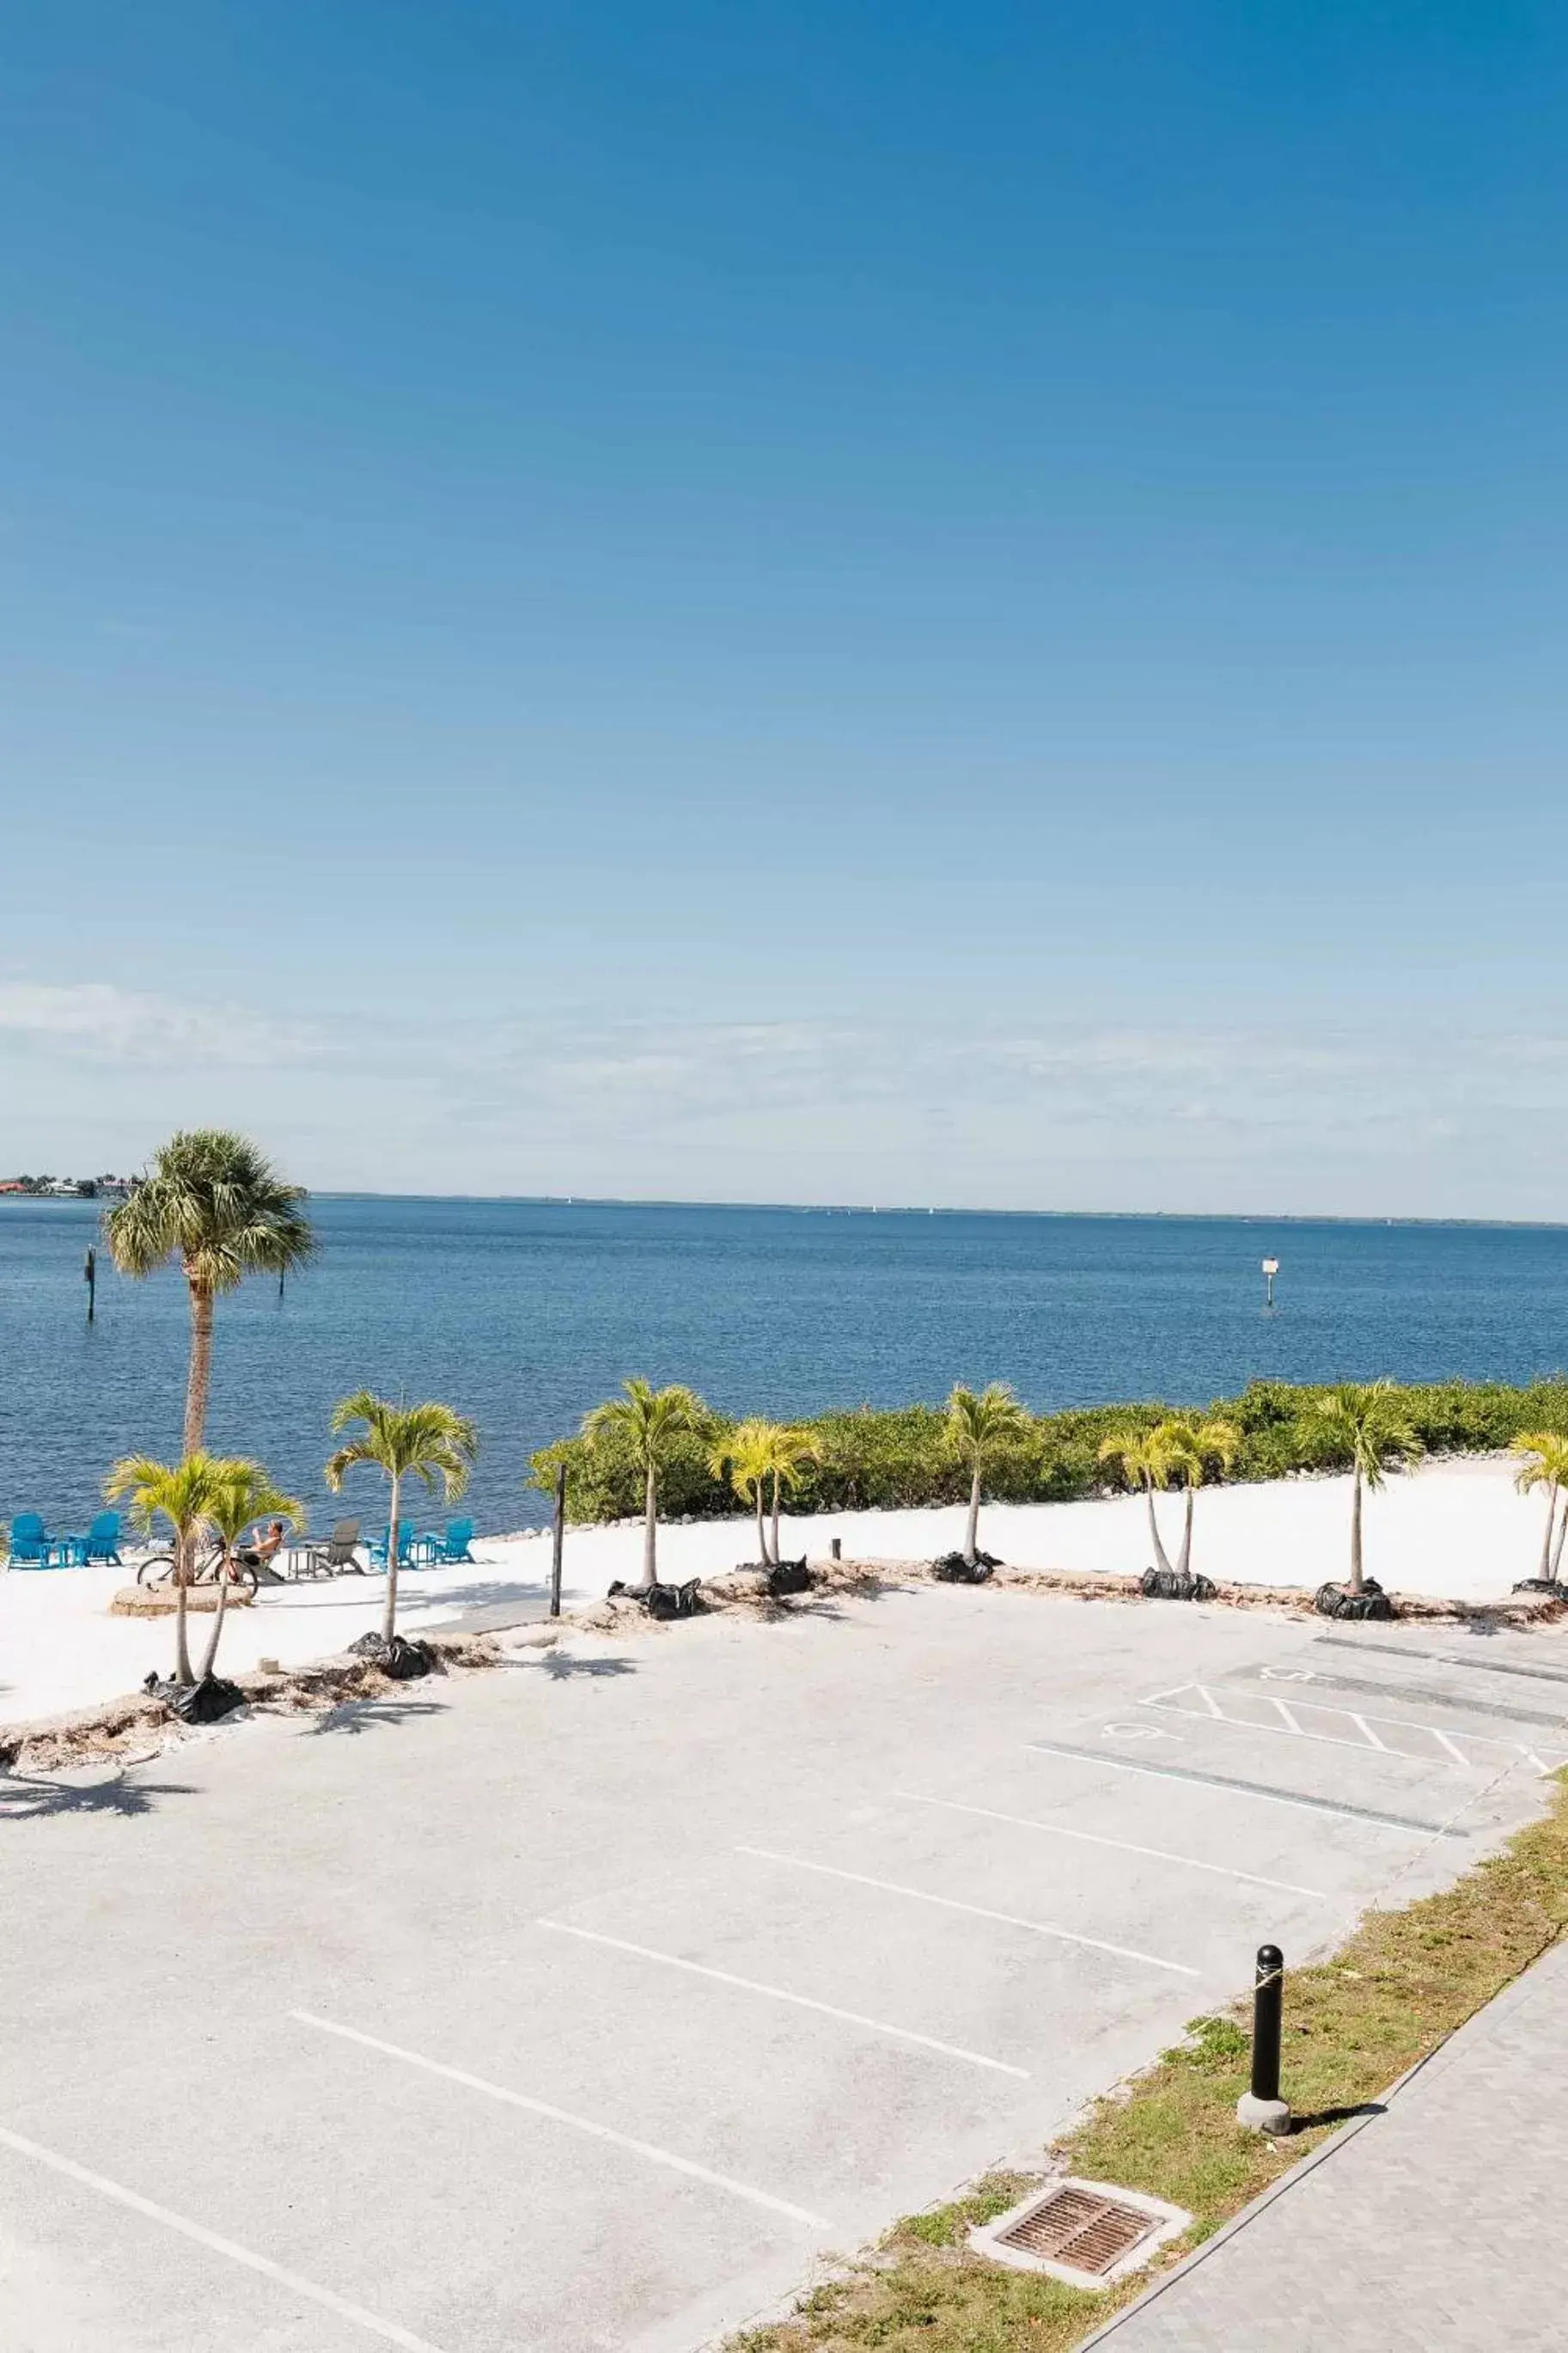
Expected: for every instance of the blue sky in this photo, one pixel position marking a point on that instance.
(833, 602)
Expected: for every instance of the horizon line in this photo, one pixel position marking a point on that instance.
(943, 1210)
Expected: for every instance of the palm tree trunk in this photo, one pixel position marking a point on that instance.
(1355, 1532)
(1184, 1565)
(1557, 1548)
(650, 1530)
(972, 1532)
(182, 1639)
(389, 1615)
(210, 1661)
(776, 1519)
(1545, 1568)
(199, 1379)
(762, 1528)
(1161, 1557)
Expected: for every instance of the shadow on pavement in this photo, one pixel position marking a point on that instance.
(1338, 2116)
(27, 1798)
(354, 1717)
(564, 1669)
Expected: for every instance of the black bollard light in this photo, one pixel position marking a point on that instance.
(1261, 2108)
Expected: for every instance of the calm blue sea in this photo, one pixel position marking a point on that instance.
(525, 1314)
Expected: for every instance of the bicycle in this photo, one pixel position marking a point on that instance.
(159, 1569)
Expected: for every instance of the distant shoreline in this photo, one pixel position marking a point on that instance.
(957, 1209)
(906, 1209)
(1259, 1218)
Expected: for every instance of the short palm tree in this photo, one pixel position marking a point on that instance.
(242, 1492)
(1365, 1420)
(786, 1452)
(1191, 1447)
(185, 1495)
(742, 1457)
(217, 1204)
(650, 1420)
(1144, 1459)
(1544, 1462)
(428, 1441)
(976, 1425)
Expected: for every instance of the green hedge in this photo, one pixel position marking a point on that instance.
(871, 1459)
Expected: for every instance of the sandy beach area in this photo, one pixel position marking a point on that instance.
(1455, 1530)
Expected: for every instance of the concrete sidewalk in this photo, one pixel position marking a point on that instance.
(1434, 2223)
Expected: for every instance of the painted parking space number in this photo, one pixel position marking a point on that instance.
(1139, 1732)
(1286, 1676)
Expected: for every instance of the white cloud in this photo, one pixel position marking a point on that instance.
(1057, 1114)
(91, 1019)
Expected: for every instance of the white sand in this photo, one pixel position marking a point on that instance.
(1454, 1529)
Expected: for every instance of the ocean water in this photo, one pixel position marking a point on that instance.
(525, 1314)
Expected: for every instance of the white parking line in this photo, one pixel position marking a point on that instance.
(975, 1910)
(1190, 1777)
(595, 2130)
(387, 2330)
(779, 1993)
(1123, 1846)
(1408, 1741)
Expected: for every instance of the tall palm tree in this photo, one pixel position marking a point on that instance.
(1144, 1459)
(186, 1494)
(217, 1204)
(1192, 1446)
(1366, 1420)
(976, 1424)
(786, 1452)
(1544, 1462)
(650, 1420)
(242, 1492)
(741, 1456)
(405, 1441)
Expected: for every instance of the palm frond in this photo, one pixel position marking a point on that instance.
(430, 1441)
(215, 1202)
(243, 1492)
(648, 1418)
(184, 1493)
(1544, 1459)
(977, 1421)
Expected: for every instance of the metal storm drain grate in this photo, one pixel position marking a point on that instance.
(1087, 2233)
(1082, 2228)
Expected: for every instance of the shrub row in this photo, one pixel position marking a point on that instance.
(887, 1460)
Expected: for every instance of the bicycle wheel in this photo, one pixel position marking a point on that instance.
(243, 1577)
(157, 1569)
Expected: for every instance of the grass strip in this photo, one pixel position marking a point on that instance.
(1353, 2024)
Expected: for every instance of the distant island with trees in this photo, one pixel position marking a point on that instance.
(65, 1189)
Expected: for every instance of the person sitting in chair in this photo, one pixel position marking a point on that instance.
(261, 1553)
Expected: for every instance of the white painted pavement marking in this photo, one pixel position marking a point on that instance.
(387, 2330)
(975, 1910)
(588, 2124)
(1191, 1778)
(779, 1993)
(1421, 1743)
(1123, 1846)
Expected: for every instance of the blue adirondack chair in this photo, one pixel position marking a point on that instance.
(29, 1541)
(103, 1539)
(407, 1540)
(453, 1546)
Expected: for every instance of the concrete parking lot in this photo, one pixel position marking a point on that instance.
(589, 2003)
